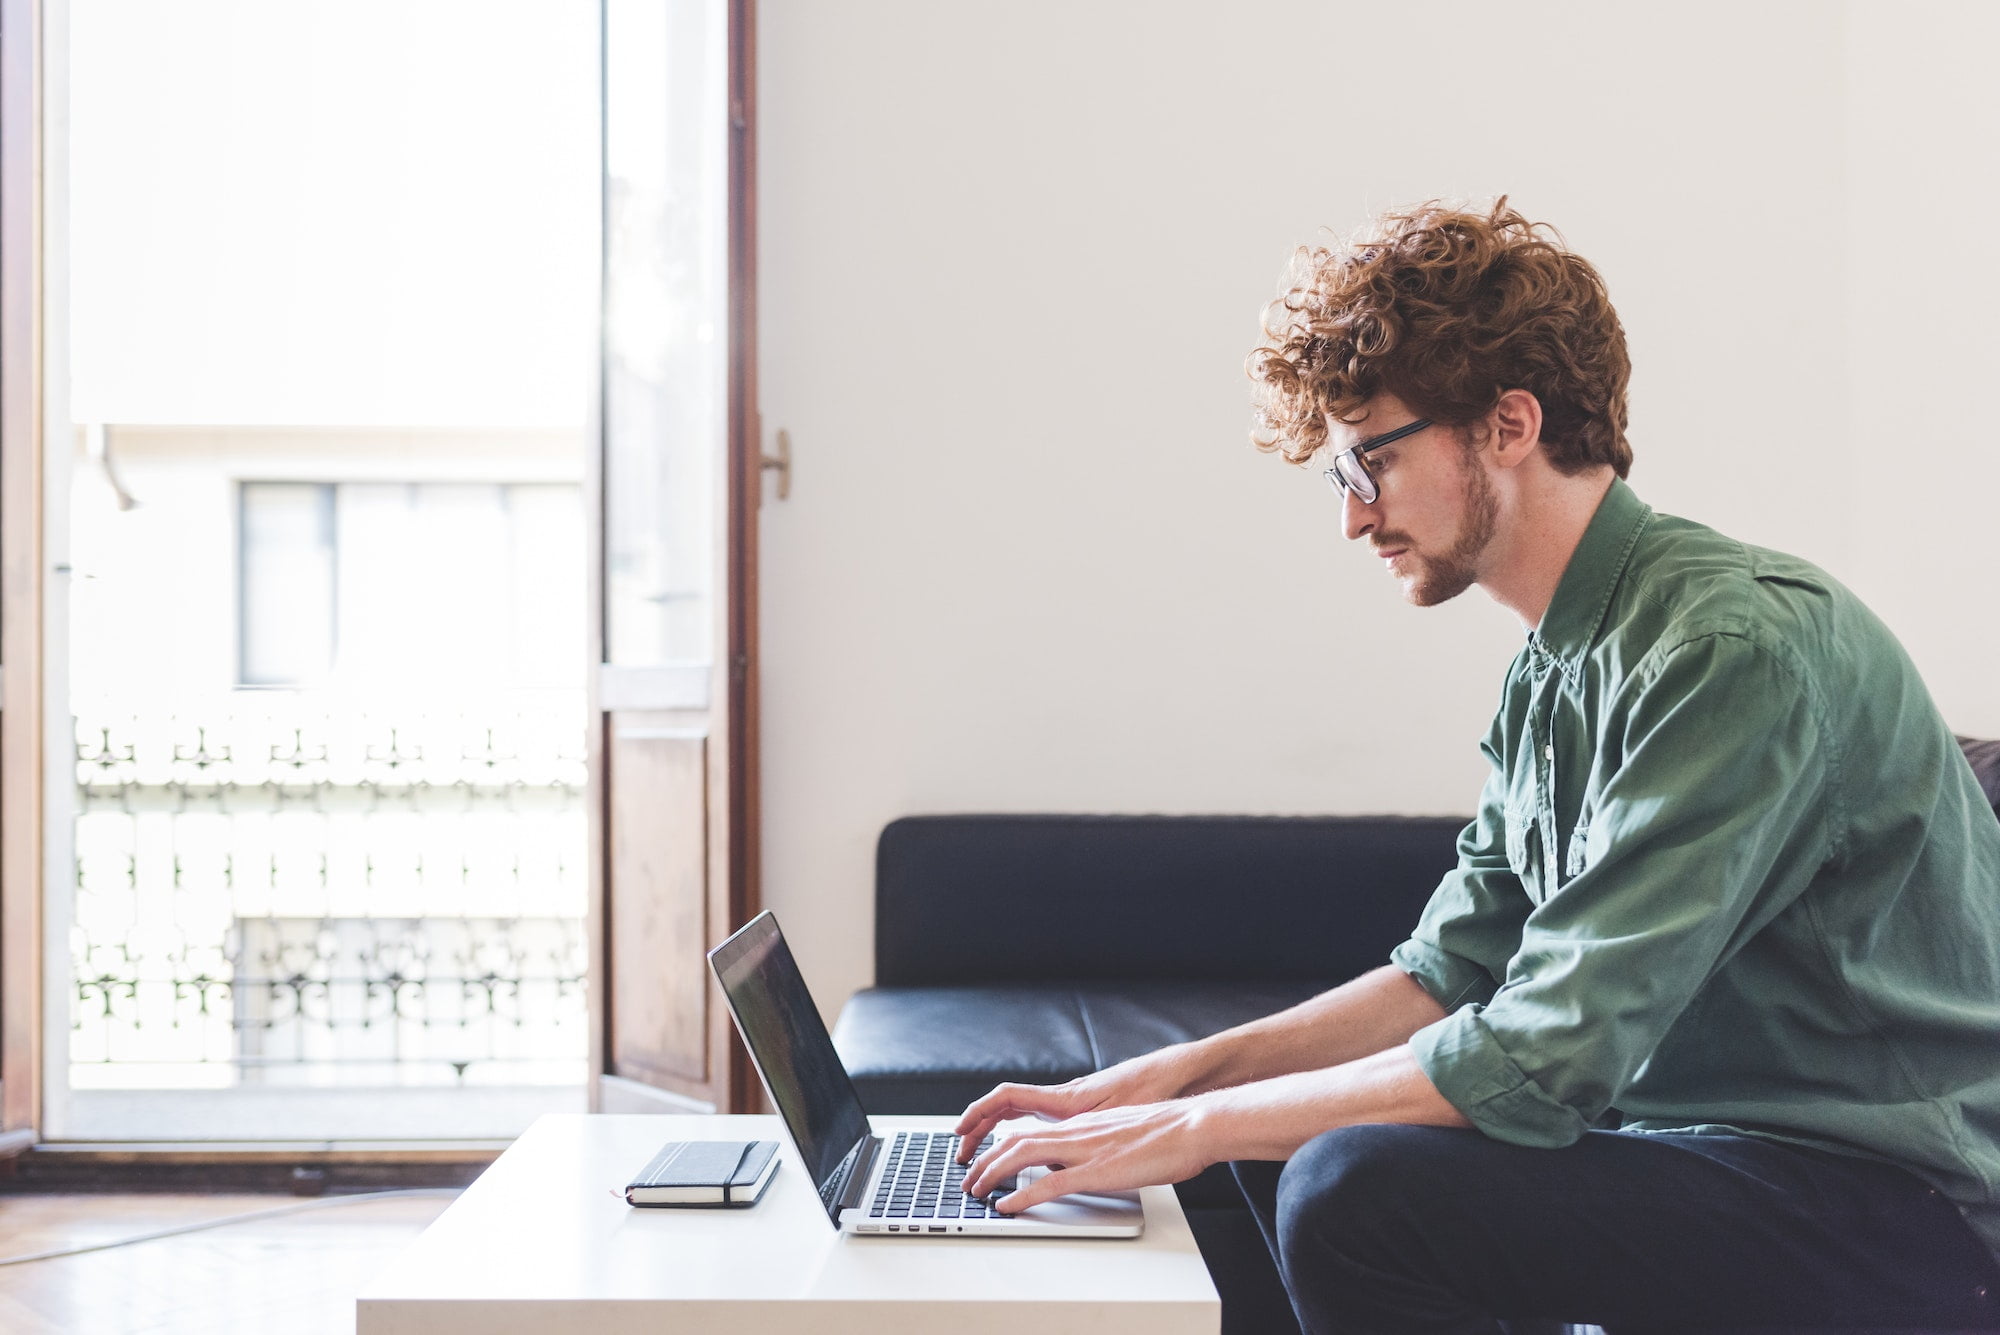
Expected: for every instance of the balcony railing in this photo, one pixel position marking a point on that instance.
(282, 890)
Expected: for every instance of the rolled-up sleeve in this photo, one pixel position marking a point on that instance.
(1714, 818)
(1471, 928)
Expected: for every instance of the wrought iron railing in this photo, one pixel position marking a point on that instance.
(280, 890)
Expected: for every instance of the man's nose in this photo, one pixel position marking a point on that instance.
(1357, 517)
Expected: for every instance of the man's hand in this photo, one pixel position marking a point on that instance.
(1109, 1150)
(1135, 1143)
(1153, 1078)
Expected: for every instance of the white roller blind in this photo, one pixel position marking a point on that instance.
(332, 211)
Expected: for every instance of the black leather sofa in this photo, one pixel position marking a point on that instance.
(1042, 947)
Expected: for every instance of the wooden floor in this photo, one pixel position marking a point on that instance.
(296, 1274)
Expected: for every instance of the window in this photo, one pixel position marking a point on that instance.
(409, 586)
(286, 583)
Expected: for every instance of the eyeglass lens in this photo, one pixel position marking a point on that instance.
(1350, 473)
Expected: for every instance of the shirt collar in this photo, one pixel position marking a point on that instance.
(1591, 577)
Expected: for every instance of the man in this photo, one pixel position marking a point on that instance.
(1704, 1028)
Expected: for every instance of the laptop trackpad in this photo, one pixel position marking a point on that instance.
(1082, 1206)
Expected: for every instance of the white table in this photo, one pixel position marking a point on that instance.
(543, 1243)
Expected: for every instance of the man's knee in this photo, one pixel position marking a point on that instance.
(1349, 1186)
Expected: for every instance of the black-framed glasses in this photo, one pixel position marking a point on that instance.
(1350, 470)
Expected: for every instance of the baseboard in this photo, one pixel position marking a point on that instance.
(298, 1170)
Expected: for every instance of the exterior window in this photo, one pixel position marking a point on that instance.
(409, 586)
(286, 583)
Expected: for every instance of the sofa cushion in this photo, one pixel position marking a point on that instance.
(1984, 758)
(936, 1049)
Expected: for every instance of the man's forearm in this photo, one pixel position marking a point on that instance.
(1271, 1119)
(1371, 1014)
(1184, 1107)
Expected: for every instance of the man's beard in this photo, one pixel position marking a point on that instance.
(1439, 579)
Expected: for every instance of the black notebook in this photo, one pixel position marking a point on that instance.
(706, 1172)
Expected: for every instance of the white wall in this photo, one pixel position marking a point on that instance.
(1923, 346)
(1012, 257)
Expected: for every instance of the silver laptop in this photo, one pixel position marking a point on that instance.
(904, 1184)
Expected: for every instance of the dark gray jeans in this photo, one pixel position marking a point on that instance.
(1406, 1230)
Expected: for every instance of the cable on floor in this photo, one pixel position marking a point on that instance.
(273, 1212)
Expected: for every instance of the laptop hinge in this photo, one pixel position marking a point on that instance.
(856, 1169)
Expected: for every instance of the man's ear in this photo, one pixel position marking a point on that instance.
(1516, 427)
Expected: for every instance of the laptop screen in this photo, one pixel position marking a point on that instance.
(788, 1040)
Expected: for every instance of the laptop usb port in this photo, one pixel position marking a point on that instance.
(939, 1228)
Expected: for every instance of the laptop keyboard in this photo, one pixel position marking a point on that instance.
(924, 1180)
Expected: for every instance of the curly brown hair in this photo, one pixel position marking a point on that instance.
(1446, 309)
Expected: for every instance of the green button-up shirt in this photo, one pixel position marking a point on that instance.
(1730, 872)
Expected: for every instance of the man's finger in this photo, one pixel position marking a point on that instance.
(985, 1113)
(992, 1106)
(1045, 1188)
(1005, 1102)
(972, 1133)
(983, 1104)
(981, 1169)
(981, 1173)
(1007, 1160)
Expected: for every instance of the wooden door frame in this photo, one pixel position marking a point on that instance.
(734, 823)
(21, 485)
(746, 471)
